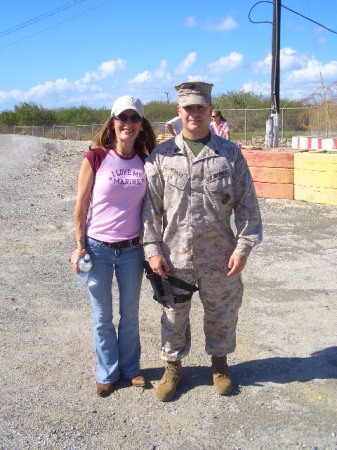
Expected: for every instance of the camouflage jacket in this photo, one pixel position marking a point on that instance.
(190, 200)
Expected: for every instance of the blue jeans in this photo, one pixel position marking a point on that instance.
(117, 355)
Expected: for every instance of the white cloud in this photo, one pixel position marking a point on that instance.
(300, 75)
(329, 69)
(287, 90)
(105, 70)
(142, 77)
(289, 59)
(227, 63)
(14, 94)
(226, 24)
(162, 69)
(191, 21)
(263, 66)
(186, 64)
(257, 88)
(311, 70)
(85, 85)
(321, 40)
(146, 76)
(41, 90)
(196, 78)
(298, 68)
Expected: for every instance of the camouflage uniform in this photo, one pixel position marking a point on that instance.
(187, 218)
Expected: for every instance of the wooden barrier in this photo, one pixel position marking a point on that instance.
(315, 178)
(272, 172)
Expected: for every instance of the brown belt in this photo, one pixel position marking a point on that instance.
(121, 244)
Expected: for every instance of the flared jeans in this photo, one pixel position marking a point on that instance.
(117, 351)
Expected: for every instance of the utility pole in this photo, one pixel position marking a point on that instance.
(273, 120)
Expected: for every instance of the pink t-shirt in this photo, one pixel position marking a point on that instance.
(221, 130)
(117, 197)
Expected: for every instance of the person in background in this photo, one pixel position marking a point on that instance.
(195, 182)
(174, 126)
(219, 124)
(111, 189)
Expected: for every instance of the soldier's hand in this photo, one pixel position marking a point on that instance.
(159, 265)
(236, 264)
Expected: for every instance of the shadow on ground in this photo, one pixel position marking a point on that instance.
(281, 370)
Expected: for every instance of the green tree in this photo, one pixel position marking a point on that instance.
(32, 114)
(8, 118)
(230, 103)
(159, 111)
(240, 100)
(81, 115)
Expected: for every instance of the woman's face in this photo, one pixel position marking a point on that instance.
(216, 118)
(127, 125)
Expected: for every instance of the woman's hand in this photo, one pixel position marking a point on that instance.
(75, 257)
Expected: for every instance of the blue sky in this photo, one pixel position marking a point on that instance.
(65, 53)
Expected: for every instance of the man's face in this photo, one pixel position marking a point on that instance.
(196, 120)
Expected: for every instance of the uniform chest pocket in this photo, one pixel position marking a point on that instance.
(175, 195)
(177, 182)
(220, 194)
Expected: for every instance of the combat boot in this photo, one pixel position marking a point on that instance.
(221, 378)
(168, 384)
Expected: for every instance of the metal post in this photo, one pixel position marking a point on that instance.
(272, 137)
(246, 126)
(275, 134)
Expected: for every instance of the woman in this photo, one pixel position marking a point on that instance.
(219, 125)
(111, 188)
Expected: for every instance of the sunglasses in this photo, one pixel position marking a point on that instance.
(134, 118)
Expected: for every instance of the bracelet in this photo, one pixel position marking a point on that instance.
(80, 244)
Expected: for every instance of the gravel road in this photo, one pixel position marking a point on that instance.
(284, 367)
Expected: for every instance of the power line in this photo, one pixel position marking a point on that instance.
(289, 9)
(40, 17)
(251, 9)
(57, 24)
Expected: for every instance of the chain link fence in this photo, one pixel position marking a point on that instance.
(63, 132)
(247, 125)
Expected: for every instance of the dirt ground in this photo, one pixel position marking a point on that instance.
(284, 367)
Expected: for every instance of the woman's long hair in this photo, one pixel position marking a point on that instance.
(144, 143)
(217, 112)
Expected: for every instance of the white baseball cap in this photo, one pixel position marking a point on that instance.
(127, 102)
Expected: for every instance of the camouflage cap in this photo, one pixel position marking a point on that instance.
(194, 93)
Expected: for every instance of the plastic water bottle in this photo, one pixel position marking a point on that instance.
(84, 265)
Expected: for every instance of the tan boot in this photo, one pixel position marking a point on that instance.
(221, 378)
(168, 384)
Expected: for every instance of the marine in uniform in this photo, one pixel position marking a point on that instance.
(196, 182)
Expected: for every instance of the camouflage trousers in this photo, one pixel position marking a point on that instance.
(221, 298)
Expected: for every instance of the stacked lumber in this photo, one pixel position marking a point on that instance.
(272, 172)
(315, 178)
